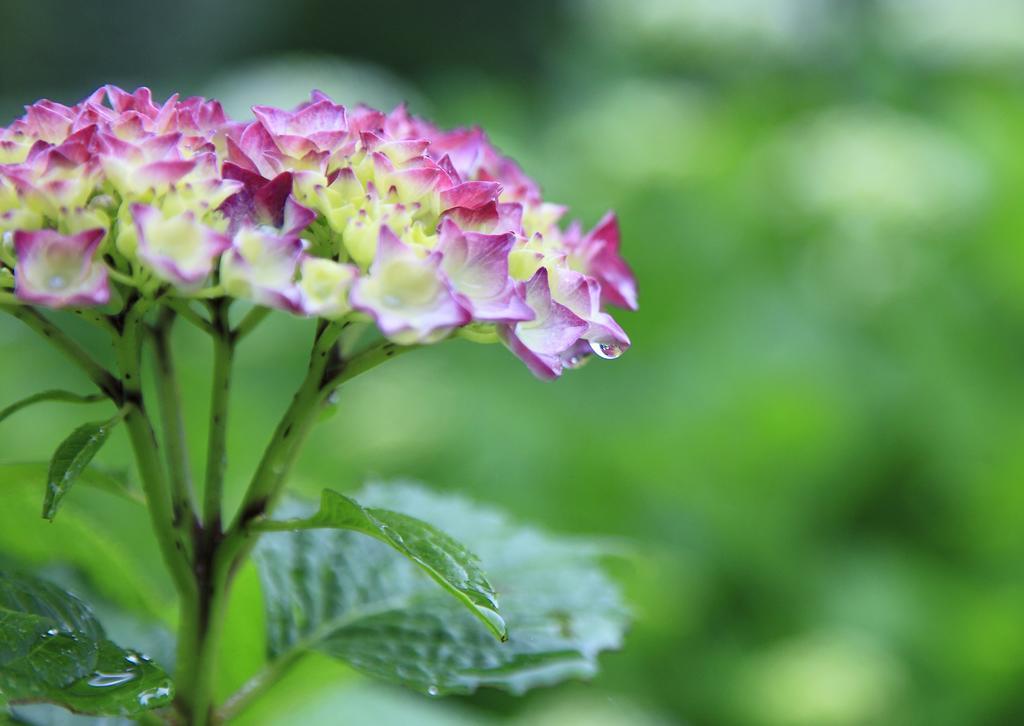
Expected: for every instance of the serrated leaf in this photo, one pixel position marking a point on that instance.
(353, 598)
(47, 637)
(447, 561)
(123, 683)
(53, 650)
(71, 458)
(54, 394)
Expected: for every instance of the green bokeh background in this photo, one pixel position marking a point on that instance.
(814, 448)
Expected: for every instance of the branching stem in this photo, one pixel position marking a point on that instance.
(200, 555)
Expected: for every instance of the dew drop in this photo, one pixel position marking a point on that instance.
(57, 282)
(108, 680)
(160, 694)
(433, 691)
(52, 632)
(607, 350)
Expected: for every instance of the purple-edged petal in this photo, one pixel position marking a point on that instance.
(176, 249)
(490, 218)
(555, 329)
(477, 268)
(407, 294)
(470, 194)
(597, 254)
(264, 202)
(58, 270)
(262, 266)
(582, 295)
(316, 126)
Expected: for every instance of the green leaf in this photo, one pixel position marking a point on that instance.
(47, 637)
(71, 458)
(54, 394)
(448, 562)
(124, 683)
(53, 650)
(354, 598)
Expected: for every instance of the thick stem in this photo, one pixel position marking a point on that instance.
(216, 453)
(154, 483)
(169, 393)
(197, 676)
(146, 450)
(197, 671)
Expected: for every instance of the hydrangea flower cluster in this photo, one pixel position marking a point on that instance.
(320, 211)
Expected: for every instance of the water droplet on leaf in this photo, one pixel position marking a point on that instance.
(107, 680)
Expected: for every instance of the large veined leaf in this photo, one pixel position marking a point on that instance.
(447, 561)
(354, 598)
(52, 650)
(72, 456)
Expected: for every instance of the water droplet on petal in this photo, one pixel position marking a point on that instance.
(57, 282)
(607, 350)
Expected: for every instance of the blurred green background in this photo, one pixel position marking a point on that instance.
(815, 445)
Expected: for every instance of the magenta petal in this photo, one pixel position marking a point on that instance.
(598, 254)
(477, 267)
(490, 218)
(269, 199)
(470, 194)
(161, 173)
(547, 367)
(541, 343)
(295, 217)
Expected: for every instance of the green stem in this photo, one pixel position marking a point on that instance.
(99, 375)
(154, 484)
(327, 371)
(268, 481)
(259, 684)
(212, 576)
(252, 319)
(169, 393)
(146, 449)
(184, 309)
(197, 676)
(273, 468)
(216, 460)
